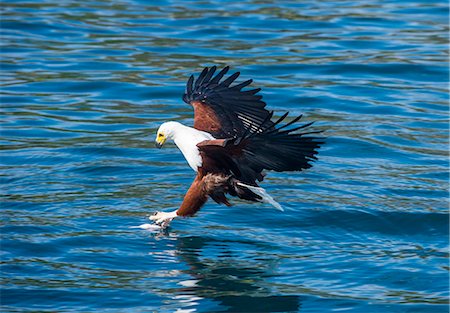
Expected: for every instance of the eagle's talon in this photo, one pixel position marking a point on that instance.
(163, 219)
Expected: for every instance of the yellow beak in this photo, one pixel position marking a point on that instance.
(160, 140)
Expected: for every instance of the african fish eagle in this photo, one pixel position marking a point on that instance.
(232, 142)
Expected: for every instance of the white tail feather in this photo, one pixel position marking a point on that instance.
(263, 194)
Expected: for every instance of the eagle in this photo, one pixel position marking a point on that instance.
(235, 139)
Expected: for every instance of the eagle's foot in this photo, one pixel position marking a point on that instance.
(163, 219)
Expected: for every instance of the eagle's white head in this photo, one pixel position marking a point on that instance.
(167, 130)
(186, 138)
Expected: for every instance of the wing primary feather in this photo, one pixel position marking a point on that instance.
(187, 96)
(247, 131)
(209, 74)
(281, 119)
(312, 132)
(269, 116)
(219, 76)
(288, 124)
(227, 82)
(243, 84)
(201, 77)
(295, 129)
(189, 85)
(252, 91)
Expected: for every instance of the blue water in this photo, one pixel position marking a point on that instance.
(85, 86)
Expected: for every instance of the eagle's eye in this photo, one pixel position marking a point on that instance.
(160, 135)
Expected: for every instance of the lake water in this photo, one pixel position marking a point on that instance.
(87, 83)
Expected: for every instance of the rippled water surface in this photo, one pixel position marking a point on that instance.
(85, 86)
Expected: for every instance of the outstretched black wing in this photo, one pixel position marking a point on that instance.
(267, 148)
(223, 110)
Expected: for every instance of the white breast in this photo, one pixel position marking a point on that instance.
(186, 139)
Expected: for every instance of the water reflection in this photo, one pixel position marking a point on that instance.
(232, 283)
